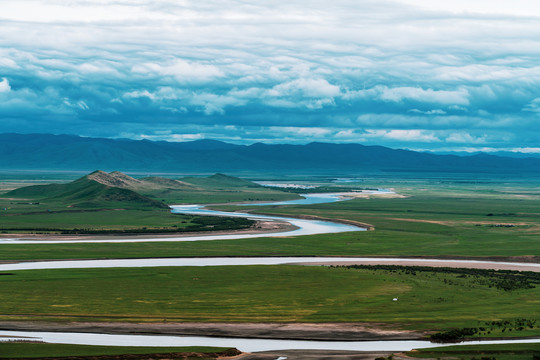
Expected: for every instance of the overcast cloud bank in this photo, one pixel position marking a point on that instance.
(395, 73)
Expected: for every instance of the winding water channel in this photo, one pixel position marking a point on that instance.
(303, 227)
(242, 344)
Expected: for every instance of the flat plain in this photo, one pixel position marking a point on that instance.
(435, 218)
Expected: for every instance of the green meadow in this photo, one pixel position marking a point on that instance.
(15, 350)
(450, 223)
(116, 203)
(427, 300)
(471, 352)
(445, 218)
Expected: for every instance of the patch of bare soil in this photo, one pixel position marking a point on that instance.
(296, 331)
(361, 195)
(314, 355)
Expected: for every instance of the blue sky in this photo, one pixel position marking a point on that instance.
(423, 75)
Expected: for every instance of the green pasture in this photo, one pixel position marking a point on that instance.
(427, 300)
(14, 350)
(520, 351)
(85, 205)
(215, 196)
(114, 220)
(419, 225)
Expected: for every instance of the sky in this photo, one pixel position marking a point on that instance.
(461, 75)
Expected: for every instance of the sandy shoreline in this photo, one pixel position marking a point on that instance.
(434, 263)
(315, 355)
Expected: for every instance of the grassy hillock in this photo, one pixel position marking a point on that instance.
(96, 190)
(114, 202)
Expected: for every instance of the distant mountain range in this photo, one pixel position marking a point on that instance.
(68, 152)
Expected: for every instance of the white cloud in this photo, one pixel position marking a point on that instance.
(429, 112)
(183, 71)
(79, 105)
(139, 94)
(4, 85)
(504, 7)
(465, 138)
(398, 94)
(527, 150)
(308, 93)
(214, 104)
(311, 88)
(309, 132)
(402, 135)
(533, 106)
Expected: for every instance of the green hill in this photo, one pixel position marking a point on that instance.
(118, 190)
(96, 190)
(113, 203)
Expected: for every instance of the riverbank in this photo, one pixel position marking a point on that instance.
(316, 355)
(293, 331)
(261, 227)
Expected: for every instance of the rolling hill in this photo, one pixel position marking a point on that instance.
(116, 189)
(96, 190)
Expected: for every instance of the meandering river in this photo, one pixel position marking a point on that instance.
(303, 227)
(242, 344)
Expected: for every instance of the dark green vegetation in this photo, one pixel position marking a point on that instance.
(478, 352)
(14, 350)
(116, 203)
(265, 294)
(500, 279)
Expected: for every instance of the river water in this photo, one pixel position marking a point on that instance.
(302, 226)
(234, 261)
(242, 344)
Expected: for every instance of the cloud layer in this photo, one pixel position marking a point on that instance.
(394, 73)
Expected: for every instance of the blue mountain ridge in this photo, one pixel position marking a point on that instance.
(70, 152)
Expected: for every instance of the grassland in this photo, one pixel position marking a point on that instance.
(439, 221)
(427, 301)
(117, 203)
(14, 350)
(439, 218)
(470, 352)
(114, 221)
